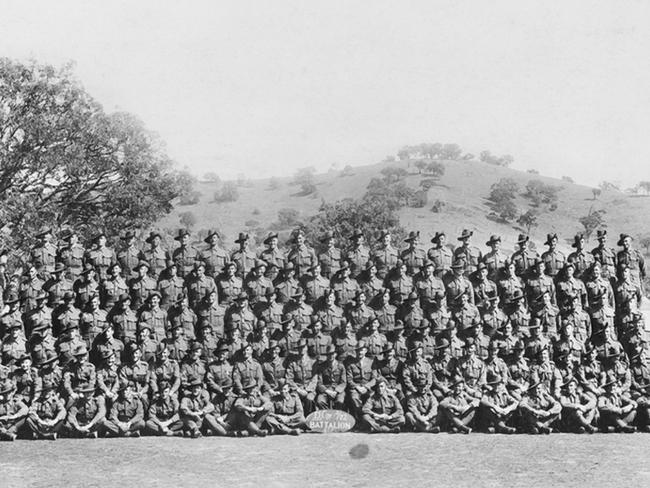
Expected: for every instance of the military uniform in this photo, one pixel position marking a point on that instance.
(185, 257)
(101, 259)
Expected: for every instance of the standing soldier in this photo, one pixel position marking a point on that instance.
(57, 286)
(129, 256)
(92, 322)
(553, 259)
(495, 260)
(440, 255)
(156, 256)
(469, 254)
(85, 286)
(538, 282)
(243, 258)
(273, 254)
(184, 255)
(357, 254)
(141, 286)
(31, 287)
(214, 256)
(301, 255)
(124, 320)
(385, 255)
(199, 285)
(314, 284)
(113, 287)
(332, 381)
(344, 284)
(370, 282)
(43, 256)
(101, 256)
(606, 256)
(581, 259)
(170, 286)
(631, 258)
(484, 288)
(72, 255)
(256, 283)
(458, 283)
(229, 284)
(524, 257)
(330, 258)
(413, 256)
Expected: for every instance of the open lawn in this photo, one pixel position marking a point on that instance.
(324, 460)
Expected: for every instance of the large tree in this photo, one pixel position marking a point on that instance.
(65, 162)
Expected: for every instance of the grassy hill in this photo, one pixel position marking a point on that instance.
(464, 189)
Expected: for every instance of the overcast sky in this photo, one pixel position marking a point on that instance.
(264, 87)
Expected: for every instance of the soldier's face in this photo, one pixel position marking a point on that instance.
(300, 239)
(111, 360)
(627, 242)
(116, 270)
(386, 240)
(275, 352)
(553, 243)
(248, 352)
(200, 271)
(596, 272)
(285, 390)
(381, 388)
(32, 272)
(496, 245)
(212, 298)
(142, 271)
(184, 240)
(155, 242)
(571, 388)
(361, 353)
(196, 390)
(569, 272)
(483, 274)
(441, 240)
(155, 301)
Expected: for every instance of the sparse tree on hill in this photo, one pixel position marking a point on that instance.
(528, 220)
(212, 177)
(404, 153)
(393, 173)
(502, 199)
(187, 219)
(451, 152)
(644, 242)
(645, 187)
(420, 164)
(608, 186)
(436, 169)
(596, 192)
(592, 221)
(66, 162)
(542, 196)
(568, 179)
(227, 193)
(304, 177)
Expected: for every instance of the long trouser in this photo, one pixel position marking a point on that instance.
(113, 428)
(382, 425)
(153, 427)
(36, 427)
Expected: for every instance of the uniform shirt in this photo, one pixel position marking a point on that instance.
(417, 374)
(361, 373)
(371, 287)
(240, 318)
(554, 262)
(466, 317)
(125, 325)
(29, 290)
(410, 314)
(290, 405)
(300, 312)
(544, 401)
(215, 258)
(137, 373)
(186, 319)
(245, 261)
(83, 290)
(607, 258)
(47, 378)
(359, 315)
(442, 258)
(139, 289)
(215, 315)
(457, 285)
(318, 344)
(473, 371)
(157, 258)
(128, 259)
(124, 410)
(198, 288)
(55, 290)
(422, 404)
(414, 260)
(193, 404)
(331, 376)
(596, 288)
(91, 325)
(385, 258)
(357, 257)
(314, 287)
(509, 286)
(634, 260)
(255, 287)
(246, 370)
(79, 375)
(523, 261)
(170, 288)
(376, 342)
(218, 377)
(386, 316)
(192, 370)
(471, 255)
(271, 313)
(229, 288)
(571, 287)
(108, 379)
(582, 260)
(431, 290)
(400, 288)
(164, 408)
(25, 381)
(345, 289)
(483, 289)
(495, 262)
(536, 285)
(185, 257)
(49, 409)
(301, 373)
(84, 410)
(273, 370)
(303, 257)
(10, 319)
(111, 290)
(330, 317)
(44, 257)
(391, 371)
(274, 256)
(383, 404)
(519, 372)
(101, 259)
(330, 262)
(549, 375)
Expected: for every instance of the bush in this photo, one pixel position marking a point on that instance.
(419, 199)
(427, 183)
(274, 183)
(568, 179)
(438, 206)
(251, 223)
(228, 193)
(187, 219)
(288, 217)
(347, 171)
(532, 171)
(191, 198)
(211, 177)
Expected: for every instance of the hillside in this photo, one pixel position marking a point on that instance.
(464, 188)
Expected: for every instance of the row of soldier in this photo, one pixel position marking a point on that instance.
(408, 305)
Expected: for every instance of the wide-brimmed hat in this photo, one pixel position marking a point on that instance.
(99, 234)
(457, 379)
(7, 386)
(330, 349)
(356, 233)
(141, 264)
(466, 234)
(442, 343)
(80, 350)
(361, 345)
(601, 234)
(610, 379)
(243, 237)
(129, 234)
(383, 233)
(413, 235)
(152, 236)
(48, 358)
(458, 263)
(327, 236)
(88, 268)
(271, 235)
(13, 298)
(59, 267)
(493, 239)
(181, 233)
(576, 240)
(549, 238)
(492, 378)
(436, 237)
(223, 347)
(210, 235)
(521, 238)
(621, 238)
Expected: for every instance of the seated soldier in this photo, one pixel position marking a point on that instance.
(13, 411)
(218, 381)
(164, 369)
(332, 382)
(382, 411)
(108, 381)
(497, 405)
(361, 379)
(538, 409)
(46, 415)
(78, 375)
(286, 415)
(617, 411)
(579, 411)
(249, 411)
(164, 419)
(195, 408)
(127, 413)
(302, 376)
(459, 407)
(136, 371)
(422, 410)
(86, 415)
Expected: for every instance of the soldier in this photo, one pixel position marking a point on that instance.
(599, 290)
(553, 259)
(578, 409)
(417, 372)
(358, 312)
(286, 415)
(510, 284)
(581, 259)
(250, 410)
(317, 341)
(302, 376)
(195, 409)
(164, 418)
(146, 342)
(214, 256)
(547, 313)
(459, 407)
(299, 310)
(385, 255)
(617, 411)
(631, 258)
(256, 283)
(244, 258)
(31, 287)
(273, 369)
(164, 371)
(399, 283)
(495, 259)
(78, 374)
(192, 367)
(46, 415)
(142, 285)
(57, 285)
(457, 283)
(137, 372)
(440, 255)
(344, 285)
(519, 371)
(370, 282)
(330, 315)
(155, 316)
(413, 256)
(269, 310)
(422, 411)
(465, 314)
(524, 258)
(12, 318)
(43, 256)
(470, 255)
(92, 322)
(569, 286)
(86, 415)
(484, 288)
(247, 369)
(85, 286)
(124, 320)
(538, 409)
(357, 254)
(218, 378)
(171, 286)
(606, 256)
(101, 256)
(442, 366)
(286, 284)
(156, 256)
(385, 312)
(492, 317)
(345, 340)
(410, 312)
(106, 341)
(330, 258)
(498, 405)
(382, 411)
(240, 316)
(199, 285)
(273, 254)
(331, 382)
(129, 256)
(301, 255)
(126, 418)
(430, 289)
(181, 314)
(361, 378)
(177, 343)
(108, 379)
(184, 255)
(314, 284)
(113, 287)
(71, 254)
(49, 374)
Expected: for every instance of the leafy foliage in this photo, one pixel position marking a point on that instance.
(187, 219)
(505, 160)
(502, 199)
(228, 193)
(595, 219)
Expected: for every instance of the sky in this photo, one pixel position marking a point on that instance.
(264, 88)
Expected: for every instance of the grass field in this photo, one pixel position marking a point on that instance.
(464, 188)
(477, 460)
